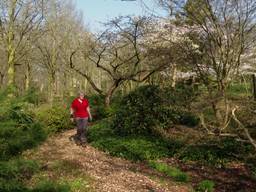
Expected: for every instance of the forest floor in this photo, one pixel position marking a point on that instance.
(88, 169)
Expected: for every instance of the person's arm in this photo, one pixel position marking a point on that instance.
(71, 114)
(89, 112)
(72, 111)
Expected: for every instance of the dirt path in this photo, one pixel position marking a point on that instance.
(109, 174)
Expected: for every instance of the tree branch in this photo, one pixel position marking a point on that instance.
(83, 74)
(252, 141)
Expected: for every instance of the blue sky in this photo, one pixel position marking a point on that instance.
(97, 11)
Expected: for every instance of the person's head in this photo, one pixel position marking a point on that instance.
(81, 94)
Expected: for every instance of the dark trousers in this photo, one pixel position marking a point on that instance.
(81, 124)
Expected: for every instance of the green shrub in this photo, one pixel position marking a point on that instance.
(173, 172)
(15, 138)
(13, 173)
(32, 96)
(12, 186)
(98, 109)
(18, 128)
(97, 106)
(100, 130)
(137, 112)
(187, 118)
(19, 131)
(54, 118)
(205, 186)
(148, 107)
(50, 186)
(181, 96)
(17, 169)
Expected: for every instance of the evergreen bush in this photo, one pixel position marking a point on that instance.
(54, 118)
(150, 106)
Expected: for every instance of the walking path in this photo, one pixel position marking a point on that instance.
(107, 173)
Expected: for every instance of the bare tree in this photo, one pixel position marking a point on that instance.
(62, 26)
(119, 53)
(19, 20)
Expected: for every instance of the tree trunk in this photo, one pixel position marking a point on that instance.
(174, 75)
(10, 45)
(254, 86)
(56, 85)
(1, 79)
(110, 93)
(27, 76)
(52, 87)
(66, 86)
(11, 68)
(221, 109)
(50, 94)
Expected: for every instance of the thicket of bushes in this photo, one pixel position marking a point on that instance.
(18, 128)
(98, 109)
(130, 132)
(14, 172)
(150, 107)
(97, 106)
(54, 118)
(22, 129)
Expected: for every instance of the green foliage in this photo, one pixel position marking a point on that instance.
(187, 118)
(100, 130)
(54, 118)
(181, 96)
(215, 152)
(12, 173)
(79, 184)
(32, 96)
(15, 138)
(236, 90)
(138, 148)
(50, 186)
(148, 107)
(137, 112)
(98, 109)
(18, 128)
(173, 172)
(134, 148)
(12, 186)
(18, 169)
(205, 186)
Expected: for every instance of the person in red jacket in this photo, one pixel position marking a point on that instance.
(80, 112)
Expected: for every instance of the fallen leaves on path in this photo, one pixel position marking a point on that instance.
(109, 174)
